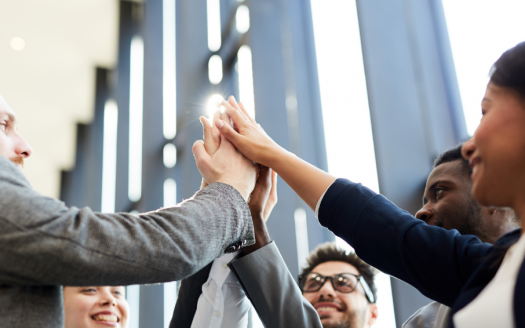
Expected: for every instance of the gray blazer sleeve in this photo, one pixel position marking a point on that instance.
(42, 242)
(272, 289)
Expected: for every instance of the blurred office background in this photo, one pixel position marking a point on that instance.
(109, 92)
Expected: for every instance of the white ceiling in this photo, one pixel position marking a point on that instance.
(50, 83)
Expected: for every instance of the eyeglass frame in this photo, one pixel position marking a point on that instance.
(368, 292)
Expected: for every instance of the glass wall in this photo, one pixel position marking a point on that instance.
(480, 31)
(346, 115)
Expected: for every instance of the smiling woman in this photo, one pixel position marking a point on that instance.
(102, 306)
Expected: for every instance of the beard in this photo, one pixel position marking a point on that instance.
(473, 222)
(351, 319)
(17, 160)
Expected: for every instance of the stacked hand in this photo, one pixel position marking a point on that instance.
(223, 163)
(250, 139)
(264, 195)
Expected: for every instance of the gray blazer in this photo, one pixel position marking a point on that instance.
(268, 284)
(44, 244)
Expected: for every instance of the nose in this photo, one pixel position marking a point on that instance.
(424, 214)
(468, 148)
(22, 148)
(327, 290)
(108, 299)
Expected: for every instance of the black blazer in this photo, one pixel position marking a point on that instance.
(188, 297)
(442, 264)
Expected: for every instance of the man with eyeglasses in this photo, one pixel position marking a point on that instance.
(341, 288)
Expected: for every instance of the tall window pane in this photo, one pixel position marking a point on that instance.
(346, 115)
(480, 31)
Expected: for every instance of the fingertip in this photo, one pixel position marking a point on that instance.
(219, 124)
(204, 121)
(197, 143)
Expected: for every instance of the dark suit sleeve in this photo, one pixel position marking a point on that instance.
(272, 290)
(189, 292)
(436, 261)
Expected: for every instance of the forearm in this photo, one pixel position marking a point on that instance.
(43, 242)
(262, 237)
(308, 181)
(436, 261)
(273, 291)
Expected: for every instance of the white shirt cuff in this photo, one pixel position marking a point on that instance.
(320, 200)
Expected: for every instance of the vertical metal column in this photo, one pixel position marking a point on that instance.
(287, 101)
(82, 186)
(152, 296)
(128, 26)
(193, 90)
(414, 106)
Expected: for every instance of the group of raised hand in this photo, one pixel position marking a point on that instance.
(219, 160)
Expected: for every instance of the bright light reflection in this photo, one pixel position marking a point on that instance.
(135, 118)
(169, 70)
(17, 43)
(170, 155)
(214, 24)
(347, 123)
(245, 72)
(215, 69)
(133, 297)
(301, 236)
(242, 19)
(170, 193)
(493, 27)
(170, 299)
(109, 157)
(214, 104)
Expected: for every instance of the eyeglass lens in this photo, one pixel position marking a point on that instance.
(344, 283)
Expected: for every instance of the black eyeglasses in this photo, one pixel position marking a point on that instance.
(343, 282)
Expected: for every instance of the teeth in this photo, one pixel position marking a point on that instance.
(106, 317)
(326, 309)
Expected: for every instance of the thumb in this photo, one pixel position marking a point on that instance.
(201, 155)
(227, 131)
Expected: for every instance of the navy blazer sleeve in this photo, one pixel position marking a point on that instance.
(436, 261)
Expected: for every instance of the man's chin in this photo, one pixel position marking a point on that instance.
(331, 320)
(331, 323)
(336, 320)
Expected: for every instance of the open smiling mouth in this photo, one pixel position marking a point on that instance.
(327, 309)
(106, 318)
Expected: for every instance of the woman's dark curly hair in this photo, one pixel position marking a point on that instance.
(329, 251)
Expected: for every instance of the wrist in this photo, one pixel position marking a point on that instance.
(262, 237)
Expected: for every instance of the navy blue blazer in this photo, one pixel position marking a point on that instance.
(442, 264)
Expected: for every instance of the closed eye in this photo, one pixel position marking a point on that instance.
(89, 290)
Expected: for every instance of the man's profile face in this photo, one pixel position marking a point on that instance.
(447, 201)
(12, 145)
(341, 310)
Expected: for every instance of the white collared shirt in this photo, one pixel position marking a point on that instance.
(223, 303)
